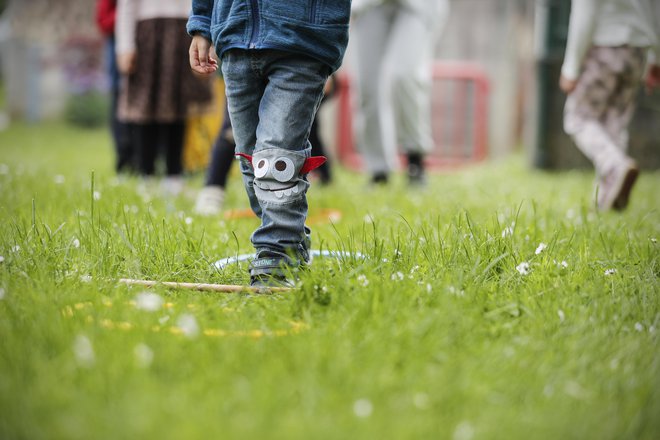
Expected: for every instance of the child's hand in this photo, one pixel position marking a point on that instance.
(201, 60)
(567, 85)
(126, 62)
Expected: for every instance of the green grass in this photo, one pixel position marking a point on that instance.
(434, 335)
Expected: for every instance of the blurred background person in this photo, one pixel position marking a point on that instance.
(105, 20)
(158, 86)
(394, 41)
(608, 43)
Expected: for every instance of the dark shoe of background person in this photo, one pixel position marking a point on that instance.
(416, 172)
(380, 178)
(615, 186)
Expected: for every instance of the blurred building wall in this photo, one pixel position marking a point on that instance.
(37, 36)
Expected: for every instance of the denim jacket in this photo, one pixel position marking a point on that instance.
(317, 28)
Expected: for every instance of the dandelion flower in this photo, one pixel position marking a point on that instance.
(362, 279)
(653, 240)
(610, 272)
(363, 408)
(148, 301)
(83, 351)
(188, 325)
(143, 355)
(523, 268)
(97, 195)
(188, 220)
(75, 243)
(2, 259)
(639, 327)
(540, 248)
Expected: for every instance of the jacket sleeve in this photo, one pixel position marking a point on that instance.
(581, 28)
(199, 21)
(105, 16)
(125, 26)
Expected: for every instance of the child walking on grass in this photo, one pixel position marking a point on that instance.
(276, 57)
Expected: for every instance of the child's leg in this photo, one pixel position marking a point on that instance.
(145, 138)
(292, 89)
(173, 135)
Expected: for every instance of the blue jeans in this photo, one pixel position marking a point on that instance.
(272, 98)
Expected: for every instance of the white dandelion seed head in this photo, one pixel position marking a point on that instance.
(2, 259)
(563, 264)
(540, 248)
(188, 325)
(523, 268)
(59, 179)
(75, 243)
(609, 272)
(188, 220)
(363, 408)
(83, 351)
(144, 355)
(148, 301)
(639, 327)
(463, 431)
(362, 279)
(421, 400)
(398, 276)
(97, 195)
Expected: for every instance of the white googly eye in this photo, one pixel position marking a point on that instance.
(260, 167)
(283, 169)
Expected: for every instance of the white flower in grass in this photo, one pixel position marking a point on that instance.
(83, 351)
(163, 319)
(609, 272)
(363, 408)
(652, 329)
(188, 325)
(639, 327)
(148, 301)
(362, 279)
(653, 240)
(4, 169)
(421, 400)
(540, 248)
(398, 276)
(188, 220)
(2, 293)
(464, 431)
(523, 268)
(75, 243)
(429, 288)
(143, 355)
(562, 265)
(85, 278)
(97, 195)
(368, 218)
(2, 259)
(561, 315)
(15, 248)
(58, 179)
(506, 232)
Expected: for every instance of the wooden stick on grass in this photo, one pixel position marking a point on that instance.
(227, 288)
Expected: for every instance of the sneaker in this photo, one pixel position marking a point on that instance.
(270, 280)
(616, 185)
(380, 178)
(269, 269)
(209, 200)
(416, 175)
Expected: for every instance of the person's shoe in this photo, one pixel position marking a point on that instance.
(269, 280)
(380, 178)
(209, 200)
(616, 185)
(172, 186)
(269, 269)
(416, 174)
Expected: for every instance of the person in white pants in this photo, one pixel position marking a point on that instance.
(394, 47)
(608, 43)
